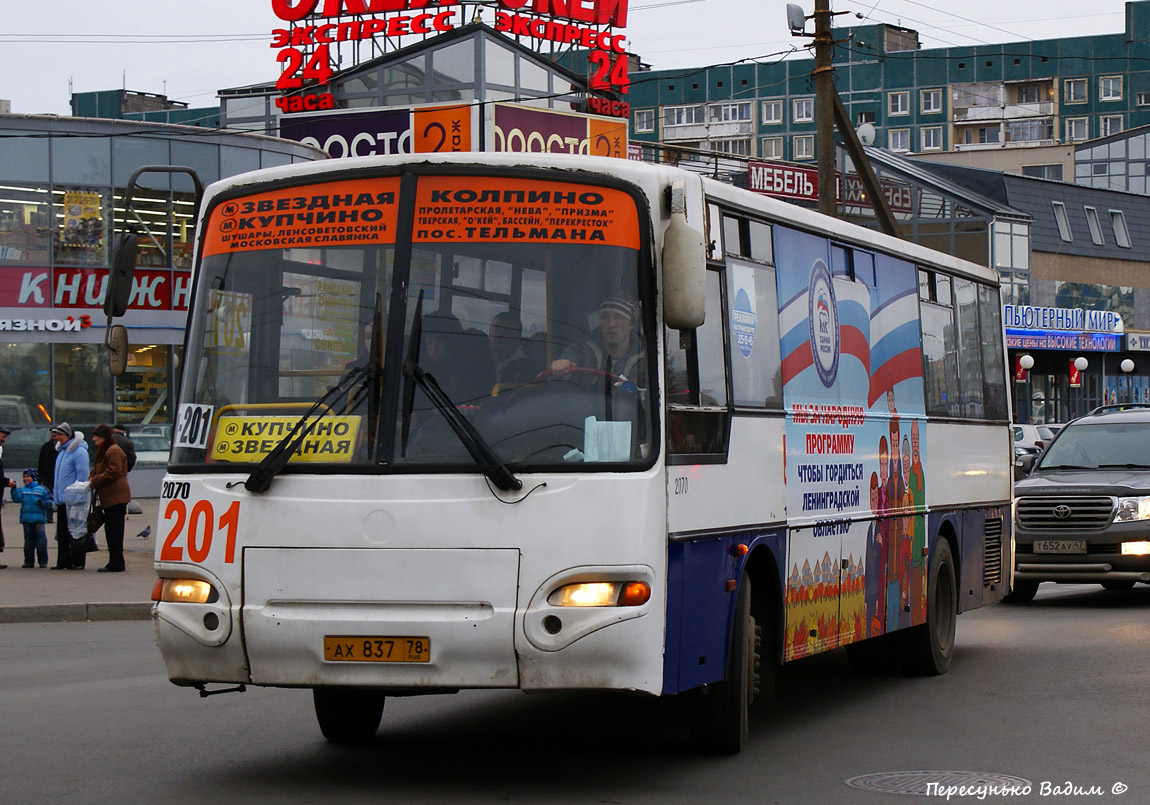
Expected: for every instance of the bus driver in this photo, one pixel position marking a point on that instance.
(614, 348)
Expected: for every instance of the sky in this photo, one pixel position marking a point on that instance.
(188, 49)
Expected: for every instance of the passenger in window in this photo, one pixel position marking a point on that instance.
(613, 348)
(512, 365)
(460, 361)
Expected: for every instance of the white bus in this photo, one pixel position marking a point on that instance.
(555, 423)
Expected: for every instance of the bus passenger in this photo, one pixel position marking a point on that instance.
(511, 363)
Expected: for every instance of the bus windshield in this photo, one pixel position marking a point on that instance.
(533, 321)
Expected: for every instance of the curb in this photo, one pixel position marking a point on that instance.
(60, 613)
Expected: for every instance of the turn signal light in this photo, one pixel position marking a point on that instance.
(183, 591)
(601, 594)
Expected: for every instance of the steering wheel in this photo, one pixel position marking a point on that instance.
(586, 371)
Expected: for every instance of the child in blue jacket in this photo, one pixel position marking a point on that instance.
(34, 504)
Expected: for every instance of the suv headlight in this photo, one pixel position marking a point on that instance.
(1133, 509)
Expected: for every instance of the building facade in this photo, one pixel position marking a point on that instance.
(62, 185)
(1013, 95)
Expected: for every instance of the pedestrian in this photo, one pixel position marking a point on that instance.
(34, 507)
(110, 480)
(47, 467)
(120, 437)
(4, 484)
(71, 466)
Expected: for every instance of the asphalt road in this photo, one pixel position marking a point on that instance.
(1051, 692)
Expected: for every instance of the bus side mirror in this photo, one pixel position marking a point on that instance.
(684, 267)
(116, 340)
(120, 277)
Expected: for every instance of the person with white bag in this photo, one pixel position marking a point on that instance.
(71, 466)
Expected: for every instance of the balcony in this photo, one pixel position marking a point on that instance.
(1014, 111)
(706, 131)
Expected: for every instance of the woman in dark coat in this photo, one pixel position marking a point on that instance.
(110, 480)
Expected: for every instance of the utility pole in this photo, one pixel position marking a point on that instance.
(824, 107)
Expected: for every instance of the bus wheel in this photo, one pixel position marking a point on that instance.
(927, 649)
(1021, 592)
(720, 718)
(347, 715)
(1117, 585)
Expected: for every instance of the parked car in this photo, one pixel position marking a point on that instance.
(1034, 436)
(151, 448)
(1030, 440)
(22, 449)
(1082, 515)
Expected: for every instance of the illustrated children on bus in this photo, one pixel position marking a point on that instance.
(918, 554)
(875, 579)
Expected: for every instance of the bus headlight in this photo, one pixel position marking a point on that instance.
(184, 591)
(1133, 509)
(601, 594)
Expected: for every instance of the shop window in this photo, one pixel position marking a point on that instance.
(151, 216)
(25, 225)
(25, 378)
(142, 391)
(81, 226)
(83, 387)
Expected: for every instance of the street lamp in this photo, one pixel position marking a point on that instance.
(1081, 363)
(1127, 366)
(1026, 362)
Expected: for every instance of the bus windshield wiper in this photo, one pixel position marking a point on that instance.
(277, 459)
(414, 375)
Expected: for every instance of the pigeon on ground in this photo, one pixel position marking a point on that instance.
(147, 532)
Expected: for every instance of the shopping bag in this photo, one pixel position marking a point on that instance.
(95, 515)
(77, 501)
(85, 543)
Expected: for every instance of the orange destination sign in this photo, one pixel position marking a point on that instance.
(346, 213)
(470, 209)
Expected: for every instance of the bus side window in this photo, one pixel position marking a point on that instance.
(698, 414)
(756, 367)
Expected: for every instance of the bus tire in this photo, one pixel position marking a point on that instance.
(722, 710)
(1117, 585)
(348, 715)
(1021, 593)
(927, 649)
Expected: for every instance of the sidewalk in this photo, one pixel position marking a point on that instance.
(28, 595)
